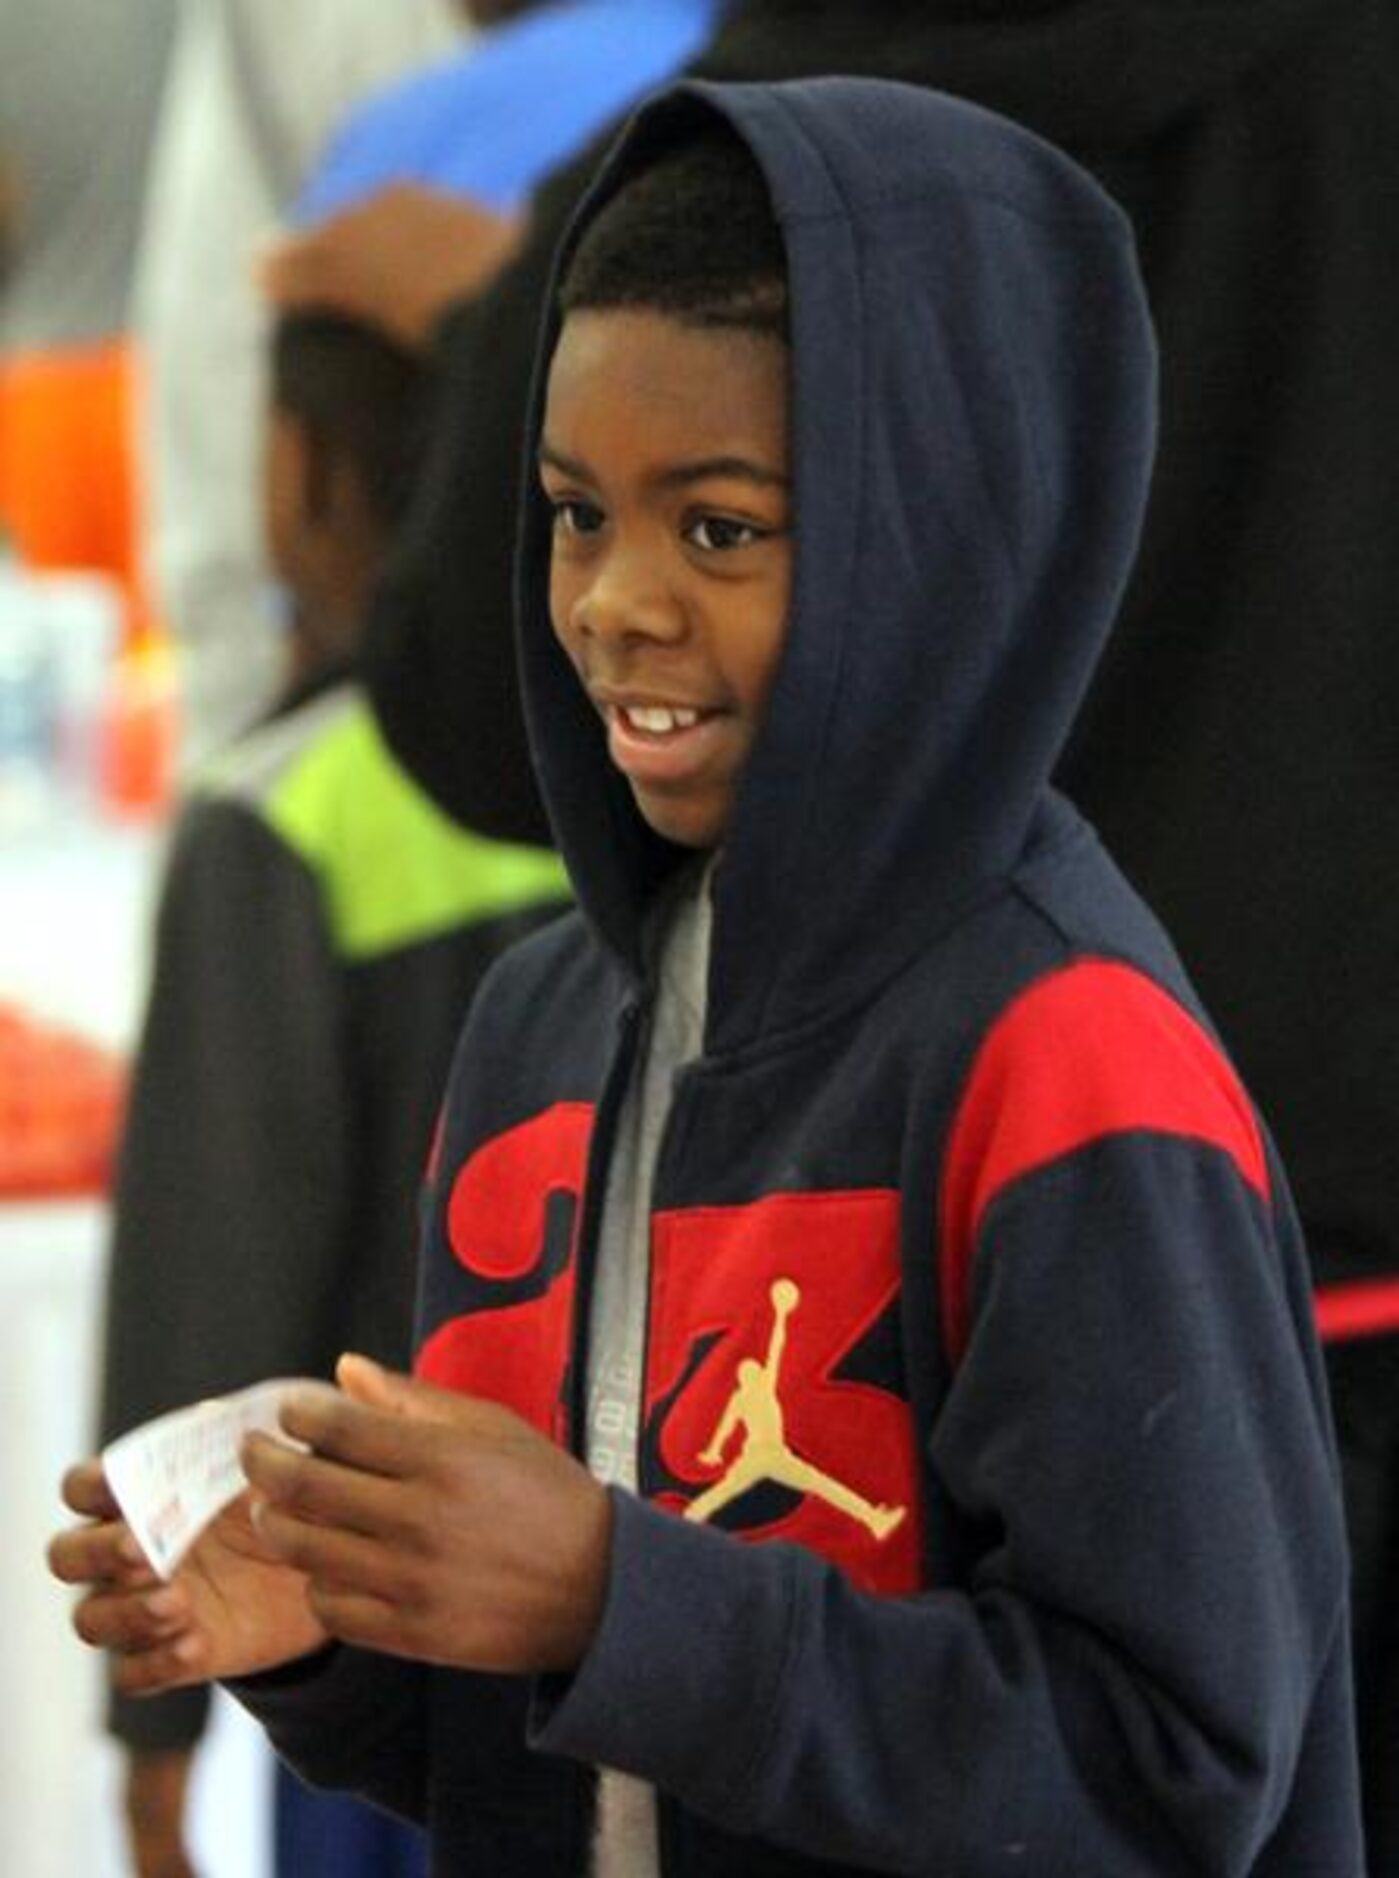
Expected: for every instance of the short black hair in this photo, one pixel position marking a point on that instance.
(693, 236)
(360, 397)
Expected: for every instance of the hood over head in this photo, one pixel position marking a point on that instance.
(973, 415)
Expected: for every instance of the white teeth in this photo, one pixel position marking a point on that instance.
(658, 719)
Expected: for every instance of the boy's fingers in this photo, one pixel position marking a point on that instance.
(397, 1394)
(350, 1561)
(98, 1554)
(354, 1433)
(389, 1390)
(166, 1666)
(396, 1433)
(133, 1620)
(366, 1381)
(308, 1487)
(359, 1617)
(85, 1491)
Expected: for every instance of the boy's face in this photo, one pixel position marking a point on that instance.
(665, 458)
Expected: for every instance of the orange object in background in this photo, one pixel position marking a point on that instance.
(67, 478)
(61, 1104)
(139, 736)
(69, 502)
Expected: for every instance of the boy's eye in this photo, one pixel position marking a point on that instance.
(718, 532)
(572, 517)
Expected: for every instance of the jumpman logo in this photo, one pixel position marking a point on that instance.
(765, 1456)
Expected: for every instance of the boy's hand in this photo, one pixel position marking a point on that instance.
(435, 1525)
(396, 260)
(231, 1609)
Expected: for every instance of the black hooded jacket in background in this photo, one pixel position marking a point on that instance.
(1055, 1580)
(1239, 749)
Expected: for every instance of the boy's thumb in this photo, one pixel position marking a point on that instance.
(392, 1392)
(369, 1382)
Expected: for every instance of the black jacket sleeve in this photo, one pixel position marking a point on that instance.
(350, 1720)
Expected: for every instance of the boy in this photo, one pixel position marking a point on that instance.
(322, 929)
(855, 1170)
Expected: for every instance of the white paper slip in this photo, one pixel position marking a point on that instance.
(171, 1476)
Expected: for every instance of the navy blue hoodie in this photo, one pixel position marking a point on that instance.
(1059, 1585)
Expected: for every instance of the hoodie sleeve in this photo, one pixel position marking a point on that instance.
(1119, 1675)
(350, 1720)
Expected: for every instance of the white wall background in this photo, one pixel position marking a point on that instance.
(75, 901)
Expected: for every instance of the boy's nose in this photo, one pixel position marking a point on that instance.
(625, 603)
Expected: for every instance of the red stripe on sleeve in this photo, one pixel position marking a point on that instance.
(1093, 1050)
(1363, 1308)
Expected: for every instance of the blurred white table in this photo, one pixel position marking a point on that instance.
(75, 904)
(75, 907)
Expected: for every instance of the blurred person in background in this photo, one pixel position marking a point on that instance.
(255, 88)
(258, 95)
(322, 929)
(79, 85)
(1237, 748)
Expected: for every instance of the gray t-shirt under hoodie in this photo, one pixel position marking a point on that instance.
(625, 1845)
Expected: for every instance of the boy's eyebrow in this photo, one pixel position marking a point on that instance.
(739, 466)
(679, 474)
(565, 465)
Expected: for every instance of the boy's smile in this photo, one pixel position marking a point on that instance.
(665, 458)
